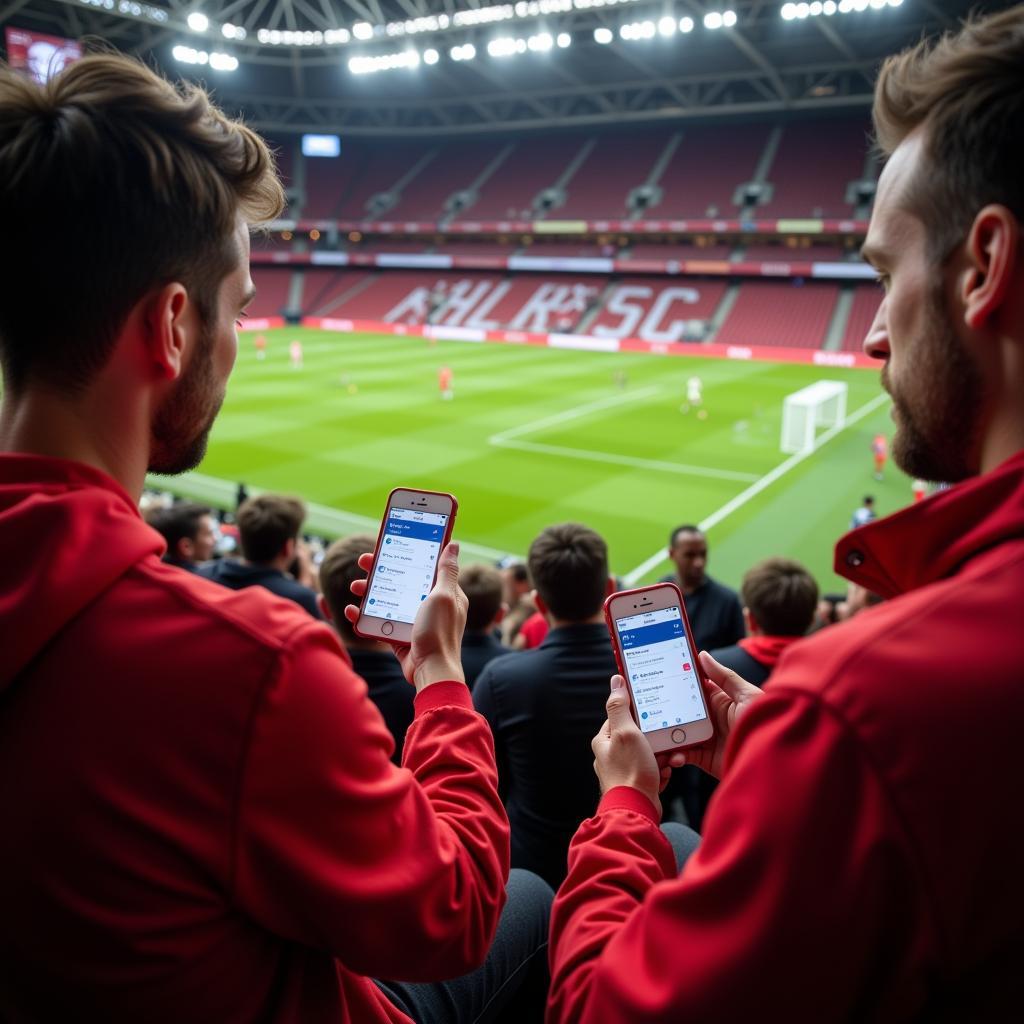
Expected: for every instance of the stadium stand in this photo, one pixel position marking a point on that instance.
(341, 285)
(866, 300)
(616, 165)
(559, 249)
(271, 291)
(779, 313)
(533, 166)
(455, 168)
(327, 180)
(816, 187)
(484, 247)
(707, 167)
(657, 309)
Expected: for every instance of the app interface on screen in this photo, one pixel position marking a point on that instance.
(406, 564)
(660, 667)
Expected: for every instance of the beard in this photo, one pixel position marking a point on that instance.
(938, 405)
(178, 443)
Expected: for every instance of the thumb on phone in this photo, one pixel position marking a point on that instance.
(617, 704)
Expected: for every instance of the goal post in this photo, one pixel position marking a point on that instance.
(804, 412)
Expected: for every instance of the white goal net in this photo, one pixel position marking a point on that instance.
(805, 412)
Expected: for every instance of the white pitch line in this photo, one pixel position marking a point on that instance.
(335, 520)
(625, 460)
(572, 414)
(756, 488)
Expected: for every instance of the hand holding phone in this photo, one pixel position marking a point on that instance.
(651, 638)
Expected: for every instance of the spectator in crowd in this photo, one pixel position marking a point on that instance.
(482, 586)
(780, 598)
(268, 531)
(544, 705)
(518, 592)
(532, 632)
(716, 617)
(832, 881)
(374, 661)
(857, 599)
(200, 819)
(189, 532)
(865, 514)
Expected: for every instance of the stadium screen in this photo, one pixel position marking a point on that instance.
(321, 145)
(39, 55)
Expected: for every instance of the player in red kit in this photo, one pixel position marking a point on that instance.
(444, 382)
(880, 450)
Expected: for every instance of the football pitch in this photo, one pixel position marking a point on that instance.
(535, 436)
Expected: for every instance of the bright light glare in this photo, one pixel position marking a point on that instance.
(564, 40)
(431, 56)
(686, 24)
(713, 19)
(362, 30)
(603, 36)
(667, 26)
(729, 19)
(540, 43)
(467, 51)
(383, 62)
(198, 22)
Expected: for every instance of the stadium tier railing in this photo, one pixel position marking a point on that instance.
(778, 268)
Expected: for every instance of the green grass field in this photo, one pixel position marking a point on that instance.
(537, 436)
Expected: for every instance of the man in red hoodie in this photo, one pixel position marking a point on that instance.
(837, 877)
(201, 821)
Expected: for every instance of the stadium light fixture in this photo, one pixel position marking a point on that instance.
(729, 19)
(230, 31)
(216, 60)
(431, 56)
(368, 65)
(563, 40)
(467, 51)
(540, 43)
(720, 19)
(198, 22)
(603, 36)
(666, 26)
(362, 30)
(686, 24)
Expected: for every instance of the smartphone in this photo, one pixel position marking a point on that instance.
(653, 647)
(415, 528)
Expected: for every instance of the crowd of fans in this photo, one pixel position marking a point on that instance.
(221, 804)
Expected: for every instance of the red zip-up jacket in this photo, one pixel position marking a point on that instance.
(861, 860)
(199, 820)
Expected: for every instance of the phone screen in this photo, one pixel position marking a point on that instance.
(660, 665)
(406, 563)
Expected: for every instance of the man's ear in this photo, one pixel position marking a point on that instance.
(169, 319)
(184, 549)
(750, 622)
(289, 549)
(325, 608)
(993, 264)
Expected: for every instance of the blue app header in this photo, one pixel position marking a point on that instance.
(414, 530)
(657, 633)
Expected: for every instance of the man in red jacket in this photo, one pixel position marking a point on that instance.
(859, 861)
(201, 821)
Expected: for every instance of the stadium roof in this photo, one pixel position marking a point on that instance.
(536, 64)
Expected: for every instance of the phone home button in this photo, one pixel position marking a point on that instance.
(678, 735)
(387, 628)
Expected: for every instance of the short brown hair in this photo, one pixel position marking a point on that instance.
(114, 182)
(482, 586)
(266, 523)
(569, 568)
(338, 570)
(782, 596)
(966, 90)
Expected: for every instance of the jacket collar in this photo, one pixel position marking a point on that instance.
(934, 538)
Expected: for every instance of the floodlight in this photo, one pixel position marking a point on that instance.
(564, 40)
(713, 19)
(198, 22)
(829, 8)
(817, 8)
(223, 62)
(431, 56)
(788, 12)
(729, 18)
(362, 30)
(603, 36)
(686, 24)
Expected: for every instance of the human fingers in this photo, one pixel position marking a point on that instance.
(734, 685)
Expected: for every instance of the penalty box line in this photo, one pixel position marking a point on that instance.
(510, 439)
(758, 486)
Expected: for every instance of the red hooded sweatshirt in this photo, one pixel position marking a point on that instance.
(200, 820)
(862, 858)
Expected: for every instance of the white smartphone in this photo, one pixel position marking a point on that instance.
(415, 528)
(652, 641)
